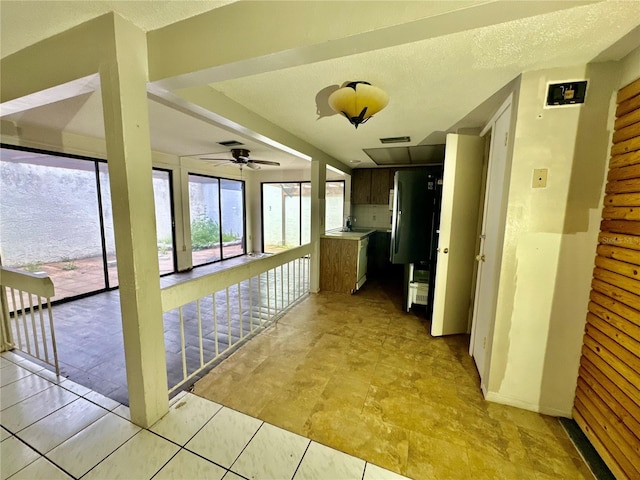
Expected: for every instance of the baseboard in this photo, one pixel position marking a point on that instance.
(587, 451)
(517, 402)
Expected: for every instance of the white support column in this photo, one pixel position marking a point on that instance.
(318, 193)
(182, 218)
(123, 77)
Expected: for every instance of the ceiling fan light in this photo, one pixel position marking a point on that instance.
(358, 101)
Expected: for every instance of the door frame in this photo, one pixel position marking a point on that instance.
(501, 184)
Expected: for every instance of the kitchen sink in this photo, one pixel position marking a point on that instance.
(357, 230)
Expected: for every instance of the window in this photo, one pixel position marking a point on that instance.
(163, 195)
(334, 205)
(217, 218)
(56, 217)
(286, 213)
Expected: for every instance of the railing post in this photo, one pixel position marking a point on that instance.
(6, 340)
(318, 193)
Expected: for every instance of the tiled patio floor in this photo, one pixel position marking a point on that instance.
(89, 334)
(79, 276)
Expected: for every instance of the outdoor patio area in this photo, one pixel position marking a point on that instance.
(73, 277)
(89, 330)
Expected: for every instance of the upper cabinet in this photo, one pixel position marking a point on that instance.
(361, 186)
(370, 186)
(380, 186)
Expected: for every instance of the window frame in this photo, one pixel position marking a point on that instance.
(300, 183)
(97, 162)
(244, 215)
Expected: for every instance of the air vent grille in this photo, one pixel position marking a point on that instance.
(230, 143)
(395, 140)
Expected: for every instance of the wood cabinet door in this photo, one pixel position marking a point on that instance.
(361, 186)
(380, 186)
(338, 264)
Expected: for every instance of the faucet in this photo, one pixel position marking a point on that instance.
(348, 225)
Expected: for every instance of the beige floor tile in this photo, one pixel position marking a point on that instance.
(290, 407)
(491, 467)
(437, 458)
(358, 374)
(367, 437)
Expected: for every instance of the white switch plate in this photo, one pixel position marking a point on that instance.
(540, 177)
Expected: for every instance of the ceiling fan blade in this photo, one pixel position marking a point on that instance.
(265, 162)
(251, 165)
(219, 159)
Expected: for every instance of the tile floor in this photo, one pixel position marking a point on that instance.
(89, 334)
(57, 429)
(359, 375)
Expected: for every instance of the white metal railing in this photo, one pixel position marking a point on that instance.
(207, 317)
(25, 298)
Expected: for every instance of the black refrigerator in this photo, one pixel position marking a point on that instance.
(415, 221)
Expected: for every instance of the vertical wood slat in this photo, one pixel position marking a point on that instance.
(607, 402)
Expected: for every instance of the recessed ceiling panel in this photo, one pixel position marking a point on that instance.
(389, 156)
(426, 154)
(417, 155)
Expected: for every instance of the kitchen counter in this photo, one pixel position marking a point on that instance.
(355, 234)
(343, 260)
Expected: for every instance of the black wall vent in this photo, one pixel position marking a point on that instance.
(395, 140)
(230, 143)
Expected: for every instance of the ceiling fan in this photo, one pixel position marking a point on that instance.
(241, 158)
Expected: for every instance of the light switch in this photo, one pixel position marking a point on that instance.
(540, 177)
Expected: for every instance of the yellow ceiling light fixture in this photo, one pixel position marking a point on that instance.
(358, 101)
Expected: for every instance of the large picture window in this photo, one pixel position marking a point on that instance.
(163, 195)
(286, 213)
(217, 218)
(56, 218)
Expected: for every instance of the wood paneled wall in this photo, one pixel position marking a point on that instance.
(607, 404)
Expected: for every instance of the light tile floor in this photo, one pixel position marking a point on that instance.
(56, 429)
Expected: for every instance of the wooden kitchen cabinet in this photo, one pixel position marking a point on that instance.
(343, 264)
(370, 186)
(361, 186)
(380, 186)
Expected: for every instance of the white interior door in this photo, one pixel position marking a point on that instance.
(490, 243)
(461, 184)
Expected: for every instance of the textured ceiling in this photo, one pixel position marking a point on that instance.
(435, 85)
(25, 22)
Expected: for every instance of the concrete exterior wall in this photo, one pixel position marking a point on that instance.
(50, 214)
(47, 214)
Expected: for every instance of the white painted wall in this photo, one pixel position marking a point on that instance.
(630, 67)
(550, 240)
